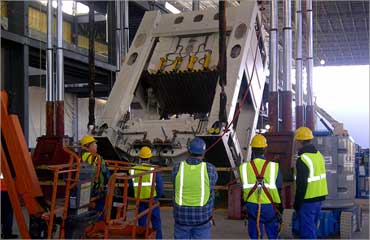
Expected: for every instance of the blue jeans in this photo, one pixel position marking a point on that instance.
(308, 217)
(267, 219)
(155, 219)
(193, 232)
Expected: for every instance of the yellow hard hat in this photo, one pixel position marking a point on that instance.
(259, 141)
(87, 139)
(303, 133)
(145, 152)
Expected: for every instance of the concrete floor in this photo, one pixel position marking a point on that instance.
(236, 229)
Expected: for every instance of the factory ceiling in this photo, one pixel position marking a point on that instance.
(341, 28)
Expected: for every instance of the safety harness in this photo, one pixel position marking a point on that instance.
(260, 186)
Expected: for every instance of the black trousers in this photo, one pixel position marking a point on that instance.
(6, 214)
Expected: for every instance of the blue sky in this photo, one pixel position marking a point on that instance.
(344, 93)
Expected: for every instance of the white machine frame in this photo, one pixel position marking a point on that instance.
(155, 36)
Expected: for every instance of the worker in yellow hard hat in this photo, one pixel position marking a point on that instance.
(145, 155)
(311, 185)
(90, 155)
(262, 182)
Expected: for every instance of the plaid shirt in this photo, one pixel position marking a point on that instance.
(193, 216)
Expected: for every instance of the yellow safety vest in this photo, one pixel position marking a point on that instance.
(90, 158)
(146, 183)
(192, 186)
(249, 179)
(316, 182)
(93, 159)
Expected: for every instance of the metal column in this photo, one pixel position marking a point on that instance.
(126, 30)
(91, 123)
(287, 68)
(16, 64)
(299, 109)
(195, 5)
(49, 73)
(111, 18)
(74, 23)
(310, 114)
(118, 35)
(60, 74)
(273, 107)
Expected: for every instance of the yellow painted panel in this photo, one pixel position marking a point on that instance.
(82, 41)
(67, 32)
(100, 48)
(35, 19)
(4, 10)
(38, 21)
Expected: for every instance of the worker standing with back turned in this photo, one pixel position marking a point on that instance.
(194, 181)
(90, 155)
(311, 185)
(261, 181)
(145, 154)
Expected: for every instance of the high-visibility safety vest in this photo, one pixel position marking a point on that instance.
(316, 182)
(146, 183)
(93, 159)
(90, 158)
(192, 186)
(249, 179)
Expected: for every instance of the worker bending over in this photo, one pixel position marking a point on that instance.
(261, 181)
(145, 154)
(311, 186)
(194, 181)
(91, 156)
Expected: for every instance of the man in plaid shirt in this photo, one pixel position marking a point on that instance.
(194, 182)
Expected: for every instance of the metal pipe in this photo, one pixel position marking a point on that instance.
(49, 72)
(91, 123)
(60, 74)
(309, 61)
(49, 62)
(118, 35)
(195, 5)
(273, 86)
(298, 63)
(60, 63)
(126, 30)
(287, 67)
(273, 107)
(222, 60)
